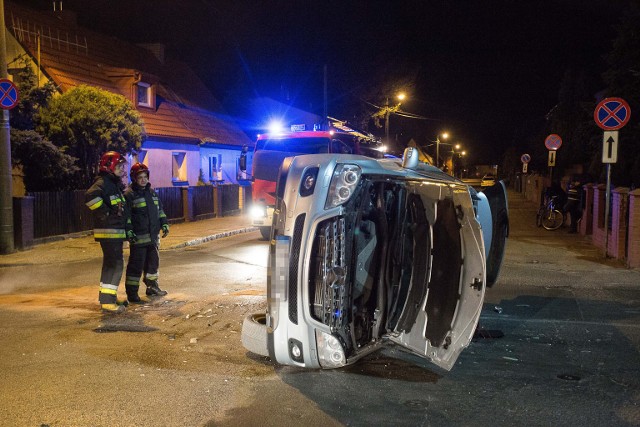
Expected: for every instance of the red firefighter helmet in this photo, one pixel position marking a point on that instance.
(137, 169)
(110, 160)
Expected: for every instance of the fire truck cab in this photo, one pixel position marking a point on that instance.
(272, 149)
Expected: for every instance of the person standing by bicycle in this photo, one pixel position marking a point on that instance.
(555, 189)
(573, 205)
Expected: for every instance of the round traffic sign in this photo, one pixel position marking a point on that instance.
(525, 158)
(8, 94)
(612, 113)
(553, 142)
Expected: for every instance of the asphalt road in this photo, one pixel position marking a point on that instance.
(569, 354)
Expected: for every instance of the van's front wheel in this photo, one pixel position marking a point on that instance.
(265, 232)
(254, 334)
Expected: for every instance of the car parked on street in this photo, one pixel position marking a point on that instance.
(366, 252)
(488, 180)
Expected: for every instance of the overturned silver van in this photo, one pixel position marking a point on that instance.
(366, 252)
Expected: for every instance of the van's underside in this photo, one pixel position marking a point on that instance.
(397, 244)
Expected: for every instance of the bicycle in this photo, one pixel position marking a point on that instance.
(549, 215)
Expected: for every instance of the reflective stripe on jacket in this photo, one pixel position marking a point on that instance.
(110, 212)
(147, 216)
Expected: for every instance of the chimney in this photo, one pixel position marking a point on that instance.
(156, 48)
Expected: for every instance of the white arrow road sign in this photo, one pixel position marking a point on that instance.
(552, 158)
(610, 146)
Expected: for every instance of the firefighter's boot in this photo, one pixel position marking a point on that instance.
(132, 295)
(113, 308)
(153, 289)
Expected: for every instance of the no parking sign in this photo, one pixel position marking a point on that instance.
(612, 113)
(525, 159)
(8, 94)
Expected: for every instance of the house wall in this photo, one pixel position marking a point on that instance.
(159, 158)
(229, 158)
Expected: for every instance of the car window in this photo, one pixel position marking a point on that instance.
(340, 147)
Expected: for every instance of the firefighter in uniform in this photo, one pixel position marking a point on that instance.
(147, 220)
(106, 201)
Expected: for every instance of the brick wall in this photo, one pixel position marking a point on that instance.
(586, 224)
(618, 239)
(633, 253)
(598, 236)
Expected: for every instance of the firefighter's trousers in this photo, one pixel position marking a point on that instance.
(142, 259)
(112, 266)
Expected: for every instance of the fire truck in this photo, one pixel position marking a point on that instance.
(272, 149)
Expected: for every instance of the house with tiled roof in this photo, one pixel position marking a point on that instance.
(188, 136)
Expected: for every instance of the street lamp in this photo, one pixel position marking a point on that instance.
(400, 96)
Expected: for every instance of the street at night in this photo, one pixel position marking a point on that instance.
(319, 213)
(568, 355)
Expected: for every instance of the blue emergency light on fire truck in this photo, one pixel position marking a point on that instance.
(272, 148)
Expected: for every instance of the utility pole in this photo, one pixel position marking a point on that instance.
(386, 122)
(6, 187)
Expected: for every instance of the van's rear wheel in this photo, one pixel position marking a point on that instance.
(254, 334)
(265, 232)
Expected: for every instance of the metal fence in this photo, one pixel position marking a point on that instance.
(172, 202)
(62, 212)
(229, 195)
(65, 212)
(202, 201)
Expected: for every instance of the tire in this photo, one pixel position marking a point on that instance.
(553, 220)
(496, 252)
(265, 232)
(254, 334)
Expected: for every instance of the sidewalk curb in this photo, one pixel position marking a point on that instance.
(205, 239)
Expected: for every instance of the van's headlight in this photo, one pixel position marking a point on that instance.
(330, 351)
(343, 183)
(258, 210)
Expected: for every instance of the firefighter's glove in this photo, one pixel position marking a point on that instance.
(131, 236)
(165, 230)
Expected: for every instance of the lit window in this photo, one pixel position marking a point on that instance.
(215, 167)
(144, 94)
(179, 167)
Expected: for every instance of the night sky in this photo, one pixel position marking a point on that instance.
(486, 71)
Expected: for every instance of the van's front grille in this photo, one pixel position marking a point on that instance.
(328, 273)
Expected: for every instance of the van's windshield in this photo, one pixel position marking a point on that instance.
(295, 145)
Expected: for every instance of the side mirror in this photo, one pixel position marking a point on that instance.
(410, 158)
